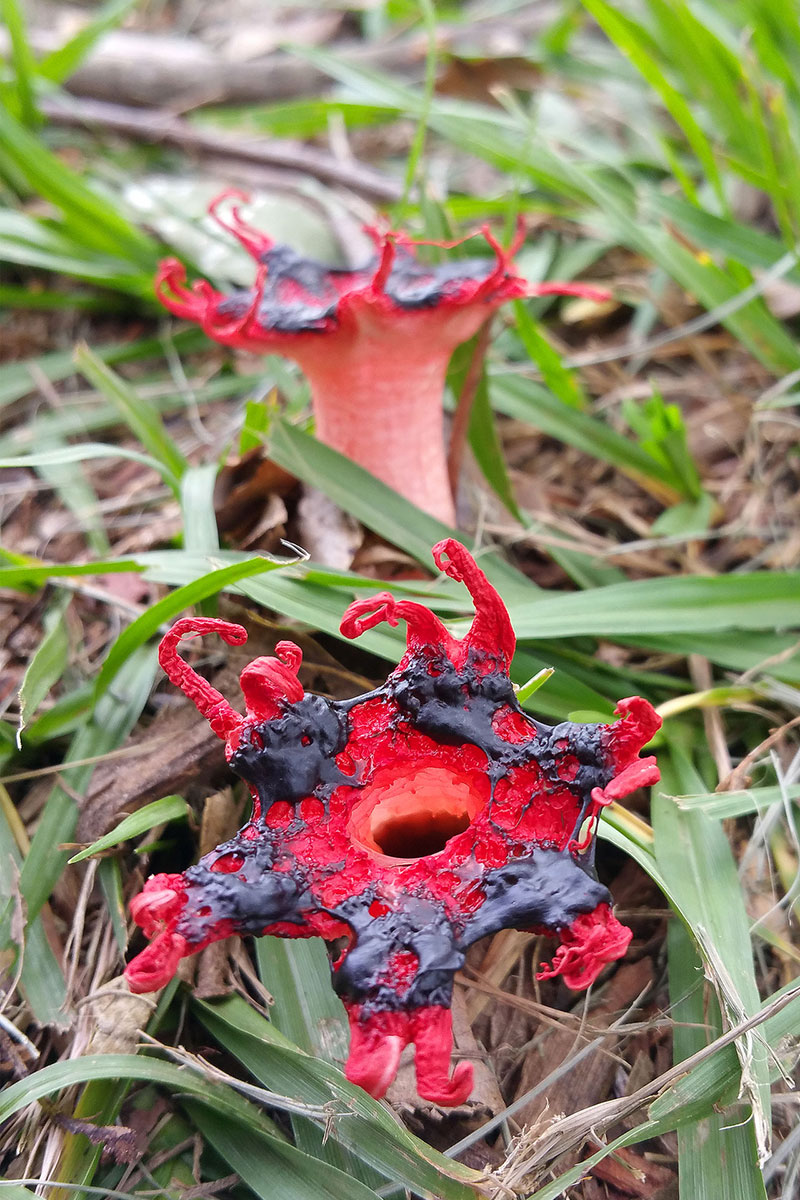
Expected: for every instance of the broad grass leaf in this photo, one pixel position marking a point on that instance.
(158, 812)
(47, 664)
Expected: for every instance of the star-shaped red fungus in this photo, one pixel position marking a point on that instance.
(409, 821)
(374, 342)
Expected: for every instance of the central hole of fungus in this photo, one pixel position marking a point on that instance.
(413, 815)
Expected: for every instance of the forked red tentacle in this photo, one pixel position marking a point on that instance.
(518, 240)
(171, 290)
(269, 683)
(230, 331)
(502, 267)
(491, 631)
(624, 739)
(642, 772)
(251, 316)
(424, 630)
(638, 724)
(290, 654)
(388, 250)
(159, 904)
(365, 614)
(222, 718)
(254, 241)
(156, 911)
(157, 963)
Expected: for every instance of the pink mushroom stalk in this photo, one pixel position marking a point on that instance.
(374, 342)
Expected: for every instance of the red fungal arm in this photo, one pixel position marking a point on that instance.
(171, 290)
(269, 683)
(377, 1040)
(432, 1030)
(159, 905)
(491, 630)
(157, 963)
(587, 945)
(254, 241)
(424, 630)
(386, 246)
(157, 909)
(599, 295)
(638, 725)
(503, 273)
(376, 1043)
(207, 700)
(643, 772)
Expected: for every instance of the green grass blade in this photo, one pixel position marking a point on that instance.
(661, 431)
(695, 857)
(47, 665)
(303, 118)
(42, 979)
(197, 507)
(764, 654)
(563, 693)
(89, 413)
(307, 1011)
(75, 454)
(58, 1076)
(274, 1170)
(109, 876)
(717, 1155)
(488, 451)
(725, 805)
(563, 383)
(759, 600)
(16, 379)
(373, 503)
(141, 418)
(33, 572)
(114, 716)
(59, 64)
(630, 38)
(91, 217)
(356, 491)
(527, 401)
(74, 488)
(159, 812)
(22, 61)
(482, 430)
(145, 626)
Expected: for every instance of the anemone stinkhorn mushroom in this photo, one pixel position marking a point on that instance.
(407, 822)
(373, 342)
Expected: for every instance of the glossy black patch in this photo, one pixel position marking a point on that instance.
(293, 756)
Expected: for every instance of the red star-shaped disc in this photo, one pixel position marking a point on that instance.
(410, 821)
